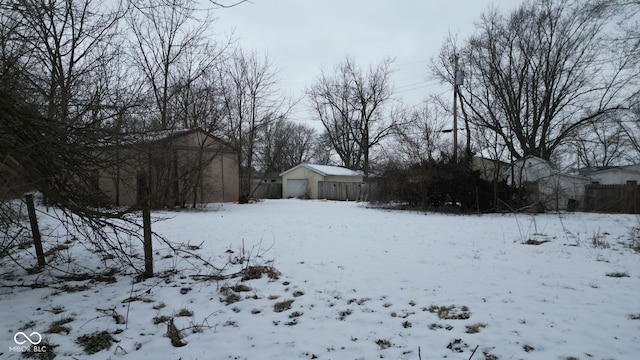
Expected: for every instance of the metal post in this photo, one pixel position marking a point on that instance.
(35, 230)
(148, 249)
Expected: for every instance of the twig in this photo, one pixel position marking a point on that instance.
(119, 319)
(474, 351)
(90, 320)
(419, 355)
(126, 323)
(219, 4)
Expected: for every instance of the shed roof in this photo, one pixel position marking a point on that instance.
(603, 169)
(327, 170)
(149, 137)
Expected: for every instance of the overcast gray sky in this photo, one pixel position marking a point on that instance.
(302, 36)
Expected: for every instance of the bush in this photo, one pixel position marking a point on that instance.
(441, 185)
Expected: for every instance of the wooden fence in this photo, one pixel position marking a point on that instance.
(612, 198)
(267, 190)
(333, 190)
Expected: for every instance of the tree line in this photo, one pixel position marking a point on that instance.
(556, 79)
(550, 77)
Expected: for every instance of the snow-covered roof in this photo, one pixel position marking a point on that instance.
(328, 170)
(142, 137)
(598, 170)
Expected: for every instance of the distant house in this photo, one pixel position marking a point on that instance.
(613, 175)
(546, 185)
(489, 169)
(613, 189)
(305, 180)
(173, 168)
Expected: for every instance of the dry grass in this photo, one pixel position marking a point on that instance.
(161, 319)
(457, 345)
(343, 314)
(282, 305)
(185, 312)
(295, 314)
(255, 272)
(383, 343)
(58, 327)
(174, 335)
(450, 312)
(435, 326)
(475, 328)
(231, 298)
(95, 342)
(241, 288)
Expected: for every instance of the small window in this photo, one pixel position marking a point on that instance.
(273, 180)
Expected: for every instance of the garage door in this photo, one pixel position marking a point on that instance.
(297, 187)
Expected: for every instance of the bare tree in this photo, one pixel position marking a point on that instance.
(56, 115)
(323, 151)
(170, 48)
(420, 136)
(250, 104)
(285, 144)
(628, 22)
(354, 106)
(68, 44)
(198, 102)
(626, 42)
(603, 142)
(536, 75)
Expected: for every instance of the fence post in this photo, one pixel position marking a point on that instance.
(148, 249)
(37, 240)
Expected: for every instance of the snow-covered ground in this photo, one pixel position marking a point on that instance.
(365, 283)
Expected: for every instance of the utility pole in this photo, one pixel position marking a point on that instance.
(455, 107)
(458, 78)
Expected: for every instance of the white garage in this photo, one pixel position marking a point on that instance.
(302, 181)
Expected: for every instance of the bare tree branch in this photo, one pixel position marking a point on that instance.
(226, 6)
(354, 108)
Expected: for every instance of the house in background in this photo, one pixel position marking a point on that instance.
(546, 185)
(490, 170)
(174, 168)
(613, 175)
(321, 181)
(613, 189)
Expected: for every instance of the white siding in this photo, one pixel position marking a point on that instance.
(614, 176)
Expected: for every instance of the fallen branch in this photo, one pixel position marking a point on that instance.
(474, 351)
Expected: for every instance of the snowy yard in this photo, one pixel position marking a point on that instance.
(354, 283)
